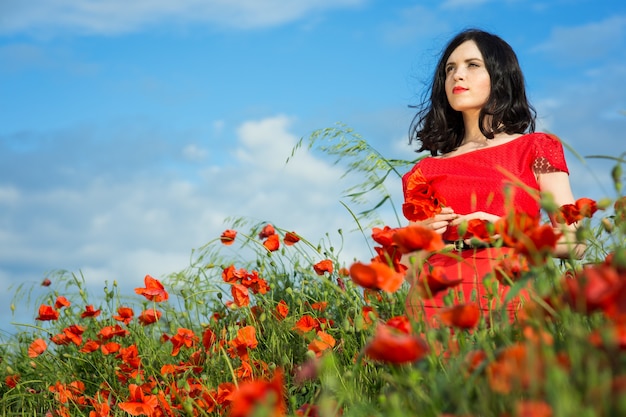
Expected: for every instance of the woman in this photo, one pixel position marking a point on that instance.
(485, 162)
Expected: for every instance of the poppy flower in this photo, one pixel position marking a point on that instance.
(154, 290)
(415, 237)
(401, 323)
(436, 281)
(320, 305)
(267, 231)
(47, 313)
(282, 310)
(572, 213)
(254, 394)
(228, 237)
(12, 380)
(463, 316)
(109, 332)
(110, 348)
(37, 348)
(149, 316)
(74, 333)
(479, 229)
(183, 337)
(376, 276)
(90, 312)
(421, 199)
(323, 266)
(383, 236)
(392, 346)
(306, 324)
(529, 408)
(511, 268)
(240, 295)
(61, 302)
(208, 338)
(322, 342)
(90, 346)
(245, 339)
(124, 314)
(138, 403)
(272, 243)
(291, 238)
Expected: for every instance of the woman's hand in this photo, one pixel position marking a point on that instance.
(481, 215)
(440, 222)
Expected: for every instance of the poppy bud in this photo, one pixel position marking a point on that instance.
(607, 225)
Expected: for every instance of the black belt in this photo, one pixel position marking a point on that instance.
(461, 245)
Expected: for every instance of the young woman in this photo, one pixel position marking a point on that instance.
(485, 161)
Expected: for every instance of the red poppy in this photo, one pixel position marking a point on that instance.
(320, 305)
(124, 314)
(149, 316)
(528, 408)
(383, 236)
(47, 313)
(415, 237)
(245, 339)
(109, 332)
(62, 302)
(267, 231)
(511, 268)
(90, 312)
(74, 333)
(282, 310)
(240, 295)
(109, 348)
(154, 290)
(306, 324)
(37, 348)
(323, 266)
(436, 281)
(254, 394)
(376, 276)
(571, 213)
(421, 199)
(12, 380)
(322, 342)
(228, 237)
(479, 229)
(595, 287)
(208, 338)
(272, 243)
(138, 403)
(393, 346)
(90, 346)
(291, 238)
(463, 316)
(401, 323)
(183, 337)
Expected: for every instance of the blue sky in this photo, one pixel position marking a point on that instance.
(129, 131)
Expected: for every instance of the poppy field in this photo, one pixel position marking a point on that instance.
(267, 323)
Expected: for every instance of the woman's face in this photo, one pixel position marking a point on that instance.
(468, 83)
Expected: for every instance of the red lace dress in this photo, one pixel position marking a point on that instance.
(486, 180)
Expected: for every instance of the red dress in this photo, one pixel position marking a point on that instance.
(483, 180)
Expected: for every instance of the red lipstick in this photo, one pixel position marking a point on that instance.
(458, 90)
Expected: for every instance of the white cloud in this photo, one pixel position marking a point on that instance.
(120, 16)
(586, 42)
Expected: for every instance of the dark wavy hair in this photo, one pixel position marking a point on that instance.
(440, 128)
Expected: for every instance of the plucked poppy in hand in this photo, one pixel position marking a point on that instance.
(138, 403)
(462, 316)
(421, 199)
(414, 237)
(272, 243)
(154, 290)
(228, 237)
(323, 266)
(376, 276)
(254, 394)
(36, 348)
(392, 346)
(47, 313)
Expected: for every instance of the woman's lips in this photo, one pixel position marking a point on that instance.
(458, 90)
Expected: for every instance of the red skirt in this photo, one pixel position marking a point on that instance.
(474, 267)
